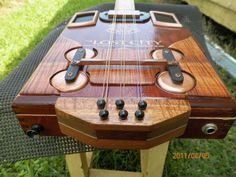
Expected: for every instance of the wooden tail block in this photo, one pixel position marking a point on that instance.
(164, 119)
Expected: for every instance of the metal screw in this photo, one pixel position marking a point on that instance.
(166, 51)
(177, 75)
(70, 74)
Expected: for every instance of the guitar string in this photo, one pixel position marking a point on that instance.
(139, 65)
(109, 59)
(138, 61)
(124, 63)
(106, 58)
(121, 58)
(121, 63)
(137, 85)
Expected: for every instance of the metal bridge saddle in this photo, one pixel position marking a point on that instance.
(73, 69)
(173, 67)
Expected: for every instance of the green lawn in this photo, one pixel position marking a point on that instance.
(24, 24)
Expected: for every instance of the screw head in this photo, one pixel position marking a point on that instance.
(120, 104)
(123, 114)
(142, 105)
(166, 51)
(101, 103)
(139, 114)
(177, 75)
(104, 114)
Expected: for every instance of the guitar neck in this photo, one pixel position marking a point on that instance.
(124, 5)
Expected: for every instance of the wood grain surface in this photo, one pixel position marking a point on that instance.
(135, 43)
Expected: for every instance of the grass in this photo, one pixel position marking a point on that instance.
(26, 23)
(220, 35)
(45, 167)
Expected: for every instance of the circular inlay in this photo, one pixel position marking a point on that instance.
(90, 53)
(165, 82)
(58, 81)
(157, 54)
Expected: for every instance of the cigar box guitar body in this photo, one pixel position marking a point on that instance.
(125, 79)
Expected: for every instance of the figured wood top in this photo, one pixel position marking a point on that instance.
(167, 113)
(53, 62)
(75, 111)
(194, 61)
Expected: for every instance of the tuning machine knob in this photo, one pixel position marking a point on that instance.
(36, 129)
(142, 105)
(104, 114)
(101, 103)
(123, 114)
(120, 104)
(139, 114)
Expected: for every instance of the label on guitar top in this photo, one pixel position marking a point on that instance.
(123, 43)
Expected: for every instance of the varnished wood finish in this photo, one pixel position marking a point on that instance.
(122, 144)
(58, 82)
(158, 111)
(209, 98)
(162, 118)
(129, 77)
(194, 61)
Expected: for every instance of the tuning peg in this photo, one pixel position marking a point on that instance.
(120, 104)
(123, 114)
(104, 114)
(101, 103)
(139, 114)
(142, 105)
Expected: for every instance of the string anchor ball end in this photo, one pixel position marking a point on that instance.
(123, 114)
(139, 114)
(120, 104)
(101, 103)
(142, 105)
(104, 114)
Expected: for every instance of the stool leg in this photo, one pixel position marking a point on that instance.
(79, 164)
(153, 160)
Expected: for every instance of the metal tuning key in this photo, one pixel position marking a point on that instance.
(173, 67)
(73, 69)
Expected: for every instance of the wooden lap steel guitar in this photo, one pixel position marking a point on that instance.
(125, 79)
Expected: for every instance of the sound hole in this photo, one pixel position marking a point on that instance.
(90, 53)
(157, 54)
(164, 18)
(166, 84)
(83, 18)
(58, 82)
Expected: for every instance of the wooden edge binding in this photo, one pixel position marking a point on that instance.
(177, 24)
(79, 118)
(121, 144)
(71, 23)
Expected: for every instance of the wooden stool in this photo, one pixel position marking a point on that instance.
(152, 164)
